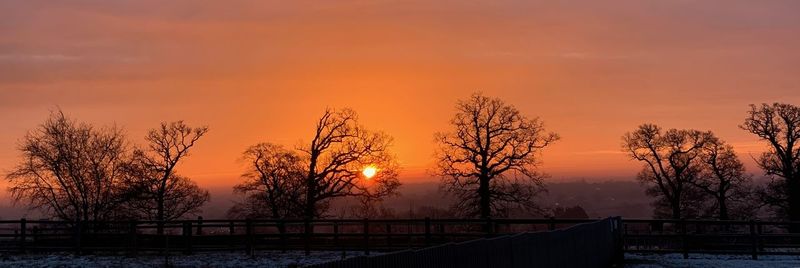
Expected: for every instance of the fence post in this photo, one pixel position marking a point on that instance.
(684, 238)
(78, 234)
(551, 225)
(282, 234)
(410, 228)
(427, 231)
(488, 227)
(754, 238)
(619, 257)
(760, 231)
(440, 231)
(388, 234)
(23, 226)
(231, 232)
(187, 237)
(336, 234)
(34, 236)
(199, 225)
(366, 236)
(132, 237)
(249, 236)
(307, 231)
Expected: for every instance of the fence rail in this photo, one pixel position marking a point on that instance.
(753, 238)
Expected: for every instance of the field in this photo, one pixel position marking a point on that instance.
(266, 259)
(708, 261)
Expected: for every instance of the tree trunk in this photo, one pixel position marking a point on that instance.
(85, 212)
(160, 214)
(309, 212)
(483, 191)
(723, 208)
(794, 204)
(676, 209)
(277, 217)
(310, 206)
(311, 186)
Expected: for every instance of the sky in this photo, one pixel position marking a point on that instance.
(263, 71)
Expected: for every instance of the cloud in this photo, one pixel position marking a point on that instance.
(39, 57)
(54, 58)
(593, 56)
(599, 152)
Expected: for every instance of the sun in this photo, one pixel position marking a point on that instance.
(369, 172)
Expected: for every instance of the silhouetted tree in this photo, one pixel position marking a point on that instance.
(779, 125)
(370, 209)
(370, 201)
(671, 164)
(723, 178)
(335, 157)
(160, 193)
(576, 212)
(273, 186)
(71, 170)
(430, 211)
(488, 161)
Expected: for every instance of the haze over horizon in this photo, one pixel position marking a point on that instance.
(258, 71)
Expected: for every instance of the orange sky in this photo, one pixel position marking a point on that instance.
(264, 70)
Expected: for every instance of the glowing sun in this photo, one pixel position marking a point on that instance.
(369, 171)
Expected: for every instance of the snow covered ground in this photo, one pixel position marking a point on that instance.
(298, 259)
(200, 260)
(709, 261)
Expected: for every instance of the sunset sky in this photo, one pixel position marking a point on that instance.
(257, 71)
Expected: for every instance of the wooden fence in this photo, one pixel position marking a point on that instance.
(134, 237)
(251, 235)
(752, 238)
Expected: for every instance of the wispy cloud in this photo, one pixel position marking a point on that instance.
(39, 57)
(599, 152)
(53, 58)
(592, 56)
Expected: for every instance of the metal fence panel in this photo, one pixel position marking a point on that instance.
(583, 245)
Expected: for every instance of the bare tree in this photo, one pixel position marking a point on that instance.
(374, 192)
(281, 184)
(162, 194)
(671, 164)
(70, 169)
(273, 183)
(576, 212)
(489, 160)
(335, 157)
(724, 179)
(779, 125)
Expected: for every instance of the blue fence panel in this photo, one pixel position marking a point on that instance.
(584, 245)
